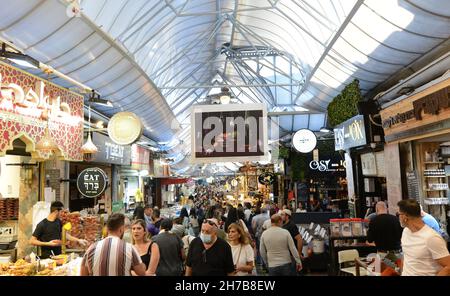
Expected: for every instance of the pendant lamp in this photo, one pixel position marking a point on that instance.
(46, 143)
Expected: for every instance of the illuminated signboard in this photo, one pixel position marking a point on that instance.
(351, 133)
(222, 133)
(28, 104)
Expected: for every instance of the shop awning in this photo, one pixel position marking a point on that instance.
(168, 181)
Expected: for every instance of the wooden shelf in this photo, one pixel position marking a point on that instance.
(430, 190)
(434, 162)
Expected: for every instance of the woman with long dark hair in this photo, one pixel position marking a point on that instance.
(139, 213)
(232, 217)
(194, 227)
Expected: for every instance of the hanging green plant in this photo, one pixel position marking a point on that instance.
(345, 105)
(283, 152)
(298, 165)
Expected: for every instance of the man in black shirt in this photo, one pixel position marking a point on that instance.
(385, 230)
(171, 254)
(293, 230)
(47, 234)
(208, 254)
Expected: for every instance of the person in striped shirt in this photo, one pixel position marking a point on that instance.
(112, 256)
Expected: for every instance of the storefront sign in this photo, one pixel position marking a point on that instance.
(140, 158)
(238, 132)
(110, 152)
(92, 182)
(430, 104)
(125, 128)
(424, 112)
(27, 103)
(351, 133)
(266, 178)
(327, 166)
(304, 141)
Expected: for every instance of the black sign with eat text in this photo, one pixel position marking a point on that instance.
(92, 182)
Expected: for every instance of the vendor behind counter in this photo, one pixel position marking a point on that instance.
(48, 233)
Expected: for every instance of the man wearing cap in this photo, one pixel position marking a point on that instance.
(289, 225)
(208, 254)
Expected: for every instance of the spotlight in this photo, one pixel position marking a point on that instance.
(95, 99)
(19, 58)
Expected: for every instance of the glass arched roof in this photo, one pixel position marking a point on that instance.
(159, 57)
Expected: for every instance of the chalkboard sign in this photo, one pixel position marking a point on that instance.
(92, 182)
(412, 184)
(266, 178)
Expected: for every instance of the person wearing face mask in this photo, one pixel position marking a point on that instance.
(424, 251)
(208, 254)
(112, 256)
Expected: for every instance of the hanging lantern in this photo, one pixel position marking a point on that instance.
(46, 143)
(88, 149)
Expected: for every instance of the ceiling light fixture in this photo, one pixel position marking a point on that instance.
(324, 129)
(99, 124)
(19, 58)
(225, 96)
(89, 148)
(46, 144)
(95, 99)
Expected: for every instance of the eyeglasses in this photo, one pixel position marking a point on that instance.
(210, 223)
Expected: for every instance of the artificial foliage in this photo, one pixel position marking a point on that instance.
(283, 152)
(345, 105)
(299, 165)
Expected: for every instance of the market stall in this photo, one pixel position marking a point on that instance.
(417, 128)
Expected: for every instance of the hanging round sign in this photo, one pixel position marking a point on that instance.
(125, 128)
(266, 178)
(92, 182)
(304, 141)
(234, 182)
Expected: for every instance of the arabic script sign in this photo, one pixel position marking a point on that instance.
(28, 102)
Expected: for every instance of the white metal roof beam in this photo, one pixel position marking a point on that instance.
(329, 47)
(147, 15)
(188, 48)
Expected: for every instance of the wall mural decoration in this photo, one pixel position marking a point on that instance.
(28, 103)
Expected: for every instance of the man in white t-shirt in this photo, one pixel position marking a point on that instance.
(424, 251)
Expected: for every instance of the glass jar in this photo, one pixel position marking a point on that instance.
(346, 227)
(335, 227)
(357, 227)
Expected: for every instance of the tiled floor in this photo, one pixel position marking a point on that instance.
(260, 271)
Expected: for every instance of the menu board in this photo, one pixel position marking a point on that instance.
(412, 182)
(369, 165)
(381, 172)
(393, 176)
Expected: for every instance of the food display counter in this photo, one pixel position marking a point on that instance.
(62, 265)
